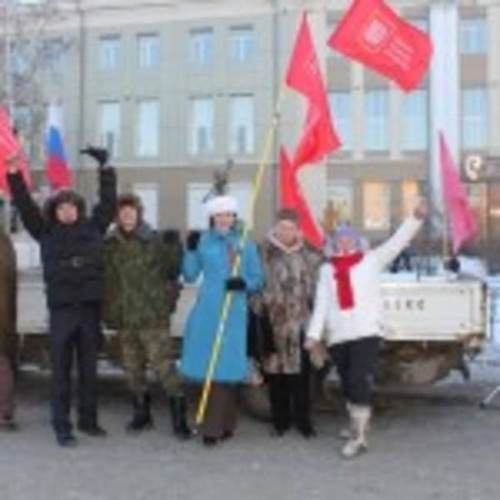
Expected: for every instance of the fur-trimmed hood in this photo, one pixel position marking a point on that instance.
(64, 196)
(143, 232)
(275, 242)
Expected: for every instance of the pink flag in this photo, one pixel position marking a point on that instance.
(462, 223)
(9, 146)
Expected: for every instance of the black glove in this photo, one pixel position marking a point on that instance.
(236, 284)
(100, 155)
(453, 265)
(192, 240)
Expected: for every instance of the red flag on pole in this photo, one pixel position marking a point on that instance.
(463, 225)
(291, 197)
(373, 34)
(304, 75)
(9, 146)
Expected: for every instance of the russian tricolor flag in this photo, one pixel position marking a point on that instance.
(56, 166)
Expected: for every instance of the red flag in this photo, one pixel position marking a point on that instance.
(463, 225)
(372, 33)
(9, 145)
(304, 75)
(291, 197)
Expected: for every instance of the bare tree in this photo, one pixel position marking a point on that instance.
(31, 54)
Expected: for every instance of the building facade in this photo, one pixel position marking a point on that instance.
(177, 88)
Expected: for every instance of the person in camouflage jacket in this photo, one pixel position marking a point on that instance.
(141, 270)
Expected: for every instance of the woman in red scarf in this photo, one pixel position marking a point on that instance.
(348, 306)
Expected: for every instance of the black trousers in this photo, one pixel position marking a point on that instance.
(290, 397)
(74, 329)
(356, 361)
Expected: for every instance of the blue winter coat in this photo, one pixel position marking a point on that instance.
(211, 259)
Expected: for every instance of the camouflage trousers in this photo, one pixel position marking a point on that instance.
(149, 348)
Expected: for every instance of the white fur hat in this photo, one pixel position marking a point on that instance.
(222, 204)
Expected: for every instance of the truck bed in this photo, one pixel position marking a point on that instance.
(427, 309)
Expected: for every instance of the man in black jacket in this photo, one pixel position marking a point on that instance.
(72, 256)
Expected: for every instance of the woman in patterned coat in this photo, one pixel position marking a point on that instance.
(290, 266)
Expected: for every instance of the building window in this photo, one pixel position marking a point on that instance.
(148, 47)
(202, 46)
(242, 44)
(340, 108)
(376, 120)
(20, 59)
(410, 192)
(149, 195)
(148, 128)
(25, 119)
(202, 125)
(109, 126)
(473, 36)
(478, 198)
(340, 202)
(241, 125)
(109, 51)
(376, 206)
(474, 118)
(53, 54)
(415, 121)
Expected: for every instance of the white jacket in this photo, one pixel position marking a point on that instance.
(365, 318)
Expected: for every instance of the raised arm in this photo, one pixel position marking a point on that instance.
(389, 250)
(104, 211)
(30, 212)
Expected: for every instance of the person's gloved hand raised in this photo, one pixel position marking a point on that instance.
(192, 240)
(236, 284)
(100, 155)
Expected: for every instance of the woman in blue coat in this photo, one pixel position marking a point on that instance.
(212, 255)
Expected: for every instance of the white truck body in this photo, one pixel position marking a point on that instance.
(434, 309)
(420, 310)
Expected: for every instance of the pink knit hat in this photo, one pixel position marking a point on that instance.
(342, 231)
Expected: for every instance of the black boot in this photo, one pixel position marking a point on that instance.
(93, 430)
(178, 411)
(141, 419)
(65, 439)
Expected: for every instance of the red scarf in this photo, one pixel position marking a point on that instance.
(342, 272)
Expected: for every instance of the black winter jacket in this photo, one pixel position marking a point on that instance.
(72, 254)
